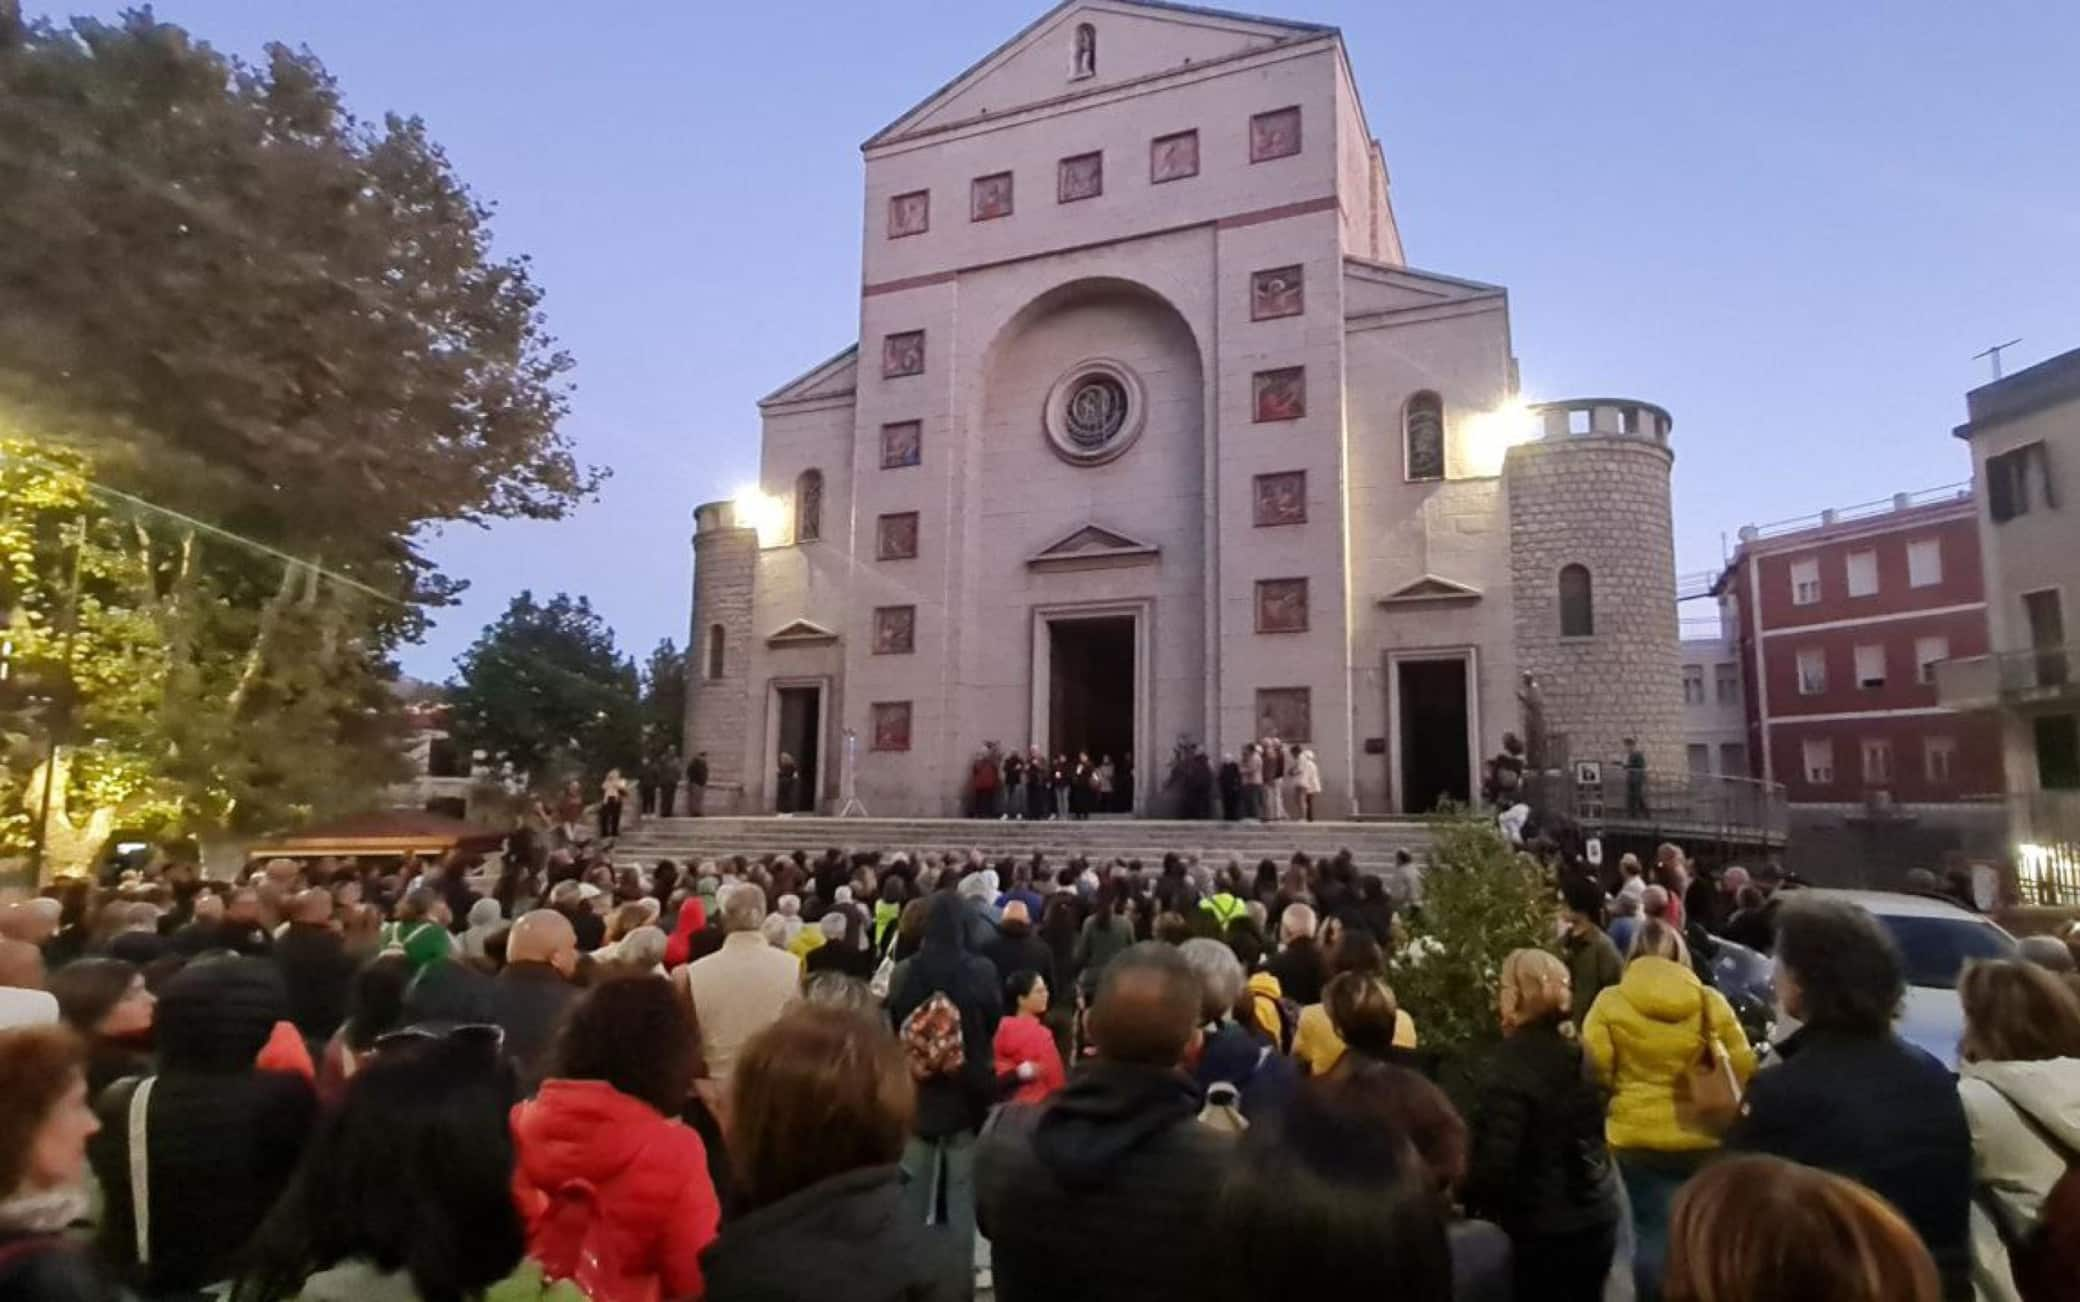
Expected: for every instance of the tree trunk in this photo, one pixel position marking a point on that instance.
(270, 619)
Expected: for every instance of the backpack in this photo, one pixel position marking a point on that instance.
(1288, 1018)
(2043, 1259)
(931, 1037)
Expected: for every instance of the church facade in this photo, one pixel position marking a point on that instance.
(1152, 434)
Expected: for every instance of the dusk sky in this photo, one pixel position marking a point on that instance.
(1792, 224)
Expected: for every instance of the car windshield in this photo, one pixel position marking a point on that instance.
(1935, 949)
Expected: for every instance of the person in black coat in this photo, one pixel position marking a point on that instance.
(221, 1136)
(821, 1107)
(1539, 1167)
(1016, 949)
(316, 969)
(1117, 1157)
(1298, 965)
(939, 1158)
(531, 992)
(1853, 1098)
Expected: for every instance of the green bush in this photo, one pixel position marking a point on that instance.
(1481, 899)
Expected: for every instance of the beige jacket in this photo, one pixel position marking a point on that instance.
(737, 992)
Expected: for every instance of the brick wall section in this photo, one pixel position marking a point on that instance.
(1602, 502)
(725, 565)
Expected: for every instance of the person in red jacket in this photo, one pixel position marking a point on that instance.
(615, 1192)
(693, 917)
(1028, 1062)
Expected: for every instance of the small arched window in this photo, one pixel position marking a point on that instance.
(1422, 432)
(808, 506)
(1084, 58)
(717, 641)
(1577, 602)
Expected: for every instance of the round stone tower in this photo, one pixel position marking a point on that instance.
(718, 683)
(1593, 579)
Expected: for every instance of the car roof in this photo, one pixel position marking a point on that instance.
(1896, 903)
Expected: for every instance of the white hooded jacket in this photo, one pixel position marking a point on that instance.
(2011, 1162)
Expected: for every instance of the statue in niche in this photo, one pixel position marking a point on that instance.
(1534, 702)
(808, 507)
(1086, 63)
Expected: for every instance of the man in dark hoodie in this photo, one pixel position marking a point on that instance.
(1016, 949)
(1119, 1151)
(939, 1158)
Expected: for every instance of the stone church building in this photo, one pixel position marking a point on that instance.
(1152, 433)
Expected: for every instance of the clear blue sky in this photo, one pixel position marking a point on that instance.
(1791, 223)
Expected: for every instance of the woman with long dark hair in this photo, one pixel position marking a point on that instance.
(406, 1189)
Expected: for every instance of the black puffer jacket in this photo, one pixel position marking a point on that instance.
(221, 1137)
(1539, 1165)
(948, 1105)
(49, 1268)
(845, 1237)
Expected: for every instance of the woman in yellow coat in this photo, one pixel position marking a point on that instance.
(1644, 1036)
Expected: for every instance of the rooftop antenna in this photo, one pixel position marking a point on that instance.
(1993, 356)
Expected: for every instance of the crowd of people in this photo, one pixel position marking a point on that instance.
(884, 1076)
(1268, 781)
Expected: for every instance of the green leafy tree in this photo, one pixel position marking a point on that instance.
(230, 298)
(664, 700)
(545, 688)
(1481, 899)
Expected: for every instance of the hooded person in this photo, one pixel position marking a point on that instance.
(1120, 1145)
(221, 1137)
(486, 919)
(953, 1099)
(1015, 947)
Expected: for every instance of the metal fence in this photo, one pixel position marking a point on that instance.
(1605, 795)
(2046, 826)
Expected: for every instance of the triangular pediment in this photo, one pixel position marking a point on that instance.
(1375, 289)
(1092, 545)
(1429, 589)
(1136, 39)
(801, 632)
(835, 378)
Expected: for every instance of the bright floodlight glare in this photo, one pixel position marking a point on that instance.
(756, 510)
(1491, 434)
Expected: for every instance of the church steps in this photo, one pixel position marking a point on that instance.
(1371, 843)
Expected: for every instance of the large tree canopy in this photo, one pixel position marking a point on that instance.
(223, 295)
(546, 689)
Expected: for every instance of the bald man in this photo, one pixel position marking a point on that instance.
(23, 1000)
(315, 965)
(532, 991)
(1121, 1144)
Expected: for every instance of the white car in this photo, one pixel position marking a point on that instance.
(1935, 939)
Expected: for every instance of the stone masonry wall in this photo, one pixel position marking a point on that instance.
(1601, 502)
(725, 565)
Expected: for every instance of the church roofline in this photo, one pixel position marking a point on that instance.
(785, 393)
(1367, 264)
(1300, 29)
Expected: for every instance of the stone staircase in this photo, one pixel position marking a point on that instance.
(1372, 843)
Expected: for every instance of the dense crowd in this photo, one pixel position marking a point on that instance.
(892, 1077)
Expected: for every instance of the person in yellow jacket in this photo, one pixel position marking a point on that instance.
(1643, 1036)
(1316, 1045)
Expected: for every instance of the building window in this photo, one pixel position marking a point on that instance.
(2058, 751)
(1939, 754)
(1819, 760)
(1693, 684)
(443, 758)
(1274, 135)
(902, 354)
(889, 725)
(989, 197)
(909, 214)
(1422, 432)
(1805, 582)
(1924, 563)
(1870, 665)
(1733, 759)
(1812, 670)
(717, 641)
(1699, 755)
(1173, 157)
(1726, 684)
(1277, 292)
(1281, 605)
(1877, 760)
(1080, 177)
(2008, 479)
(1863, 574)
(1279, 394)
(1577, 602)
(1280, 498)
(1928, 653)
(808, 506)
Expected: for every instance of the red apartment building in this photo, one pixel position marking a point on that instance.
(1838, 621)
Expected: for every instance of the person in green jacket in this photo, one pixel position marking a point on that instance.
(1593, 961)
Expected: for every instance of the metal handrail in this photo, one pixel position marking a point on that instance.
(1959, 491)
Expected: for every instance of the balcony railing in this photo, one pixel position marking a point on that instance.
(1604, 796)
(2010, 678)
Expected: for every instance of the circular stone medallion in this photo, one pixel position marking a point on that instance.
(1094, 412)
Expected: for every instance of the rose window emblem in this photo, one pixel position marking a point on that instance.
(1094, 412)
